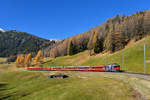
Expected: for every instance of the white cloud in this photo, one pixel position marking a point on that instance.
(2, 30)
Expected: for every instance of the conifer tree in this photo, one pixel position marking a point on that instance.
(97, 43)
(98, 47)
(71, 49)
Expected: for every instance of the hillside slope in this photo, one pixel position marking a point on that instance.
(113, 35)
(133, 58)
(15, 42)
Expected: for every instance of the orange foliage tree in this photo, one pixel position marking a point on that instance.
(28, 59)
(38, 58)
(20, 60)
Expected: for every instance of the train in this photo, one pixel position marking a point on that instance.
(107, 68)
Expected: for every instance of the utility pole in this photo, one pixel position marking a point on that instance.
(144, 59)
(90, 57)
(55, 62)
(123, 60)
(106, 59)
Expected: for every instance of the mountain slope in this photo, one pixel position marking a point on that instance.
(133, 58)
(113, 35)
(15, 42)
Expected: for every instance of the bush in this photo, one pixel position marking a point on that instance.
(11, 59)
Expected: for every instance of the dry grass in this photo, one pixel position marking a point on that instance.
(131, 42)
(3, 59)
(78, 60)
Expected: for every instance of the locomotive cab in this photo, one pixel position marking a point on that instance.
(112, 68)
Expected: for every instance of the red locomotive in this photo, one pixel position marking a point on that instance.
(114, 68)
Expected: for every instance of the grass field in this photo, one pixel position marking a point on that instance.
(133, 58)
(5, 67)
(21, 85)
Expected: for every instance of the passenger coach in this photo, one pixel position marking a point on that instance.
(107, 68)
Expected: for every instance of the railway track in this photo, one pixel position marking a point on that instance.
(139, 75)
(114, 68)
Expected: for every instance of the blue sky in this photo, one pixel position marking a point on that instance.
(53, 19)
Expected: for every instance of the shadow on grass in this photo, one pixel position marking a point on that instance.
(2, 86)
(2, 89)
(6, 94)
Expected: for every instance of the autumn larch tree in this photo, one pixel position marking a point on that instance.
(28, 59)
(38, 58)
(20, 61)
(90, 43)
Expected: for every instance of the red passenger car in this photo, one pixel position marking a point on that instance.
(114, 67)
